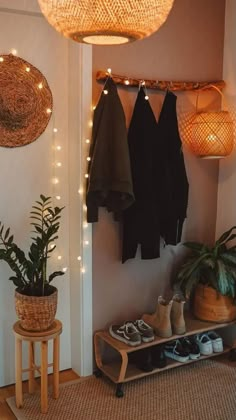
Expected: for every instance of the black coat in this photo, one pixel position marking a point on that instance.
(159, 180)
(110, 181)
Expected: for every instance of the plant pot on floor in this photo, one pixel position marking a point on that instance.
(210, 305)
(36, 313)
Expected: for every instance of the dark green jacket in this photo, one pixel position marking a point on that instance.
(110, 181)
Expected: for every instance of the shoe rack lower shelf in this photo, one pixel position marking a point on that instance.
(121, 371)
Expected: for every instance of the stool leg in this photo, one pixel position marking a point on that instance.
(56, 357)
(18, 372)
(44, 376)
(31, 367)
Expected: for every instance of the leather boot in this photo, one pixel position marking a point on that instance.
(160, 320)
(177, 315)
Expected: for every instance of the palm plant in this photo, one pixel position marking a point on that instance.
(211, 266)
(30, 272)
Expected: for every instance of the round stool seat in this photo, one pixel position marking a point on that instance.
(53, 330)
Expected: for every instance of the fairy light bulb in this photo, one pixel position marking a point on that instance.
(49, 111)
(14, 51)
(1, 59)
(55, 130)
(87, 141)
(27, 69)
(52, 246)
(146, 97)
(88, 158)
(127, 82)
(80, 191)
(40, 85)
(109, 70)
(83, 270)
(105, 92)
(65, 269)
(79, 258)
(55, 181)
(58, 164)
(86, 175)
(58, 147)
(58, 197)
(86, 242)
(59, 257)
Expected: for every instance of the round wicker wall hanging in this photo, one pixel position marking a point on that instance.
(25, 102)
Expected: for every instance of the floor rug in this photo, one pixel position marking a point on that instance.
(205, 390)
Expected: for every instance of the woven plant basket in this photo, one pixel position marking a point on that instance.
(36, 313)
(210, 305)
(212, 133)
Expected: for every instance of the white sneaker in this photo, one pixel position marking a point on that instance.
(204, 343)
(217, 342)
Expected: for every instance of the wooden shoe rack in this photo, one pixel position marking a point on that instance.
(120, 371)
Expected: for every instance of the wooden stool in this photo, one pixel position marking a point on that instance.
(32, 337)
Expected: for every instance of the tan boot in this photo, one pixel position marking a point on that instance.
(177, 315)
(160, 320)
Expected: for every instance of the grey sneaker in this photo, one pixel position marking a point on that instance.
(127, 333)
(145, 330)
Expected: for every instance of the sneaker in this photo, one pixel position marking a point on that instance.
(174, 350)
(190, 346)
(145, 330)
(127, 333)
(204, 344)
(217, 342)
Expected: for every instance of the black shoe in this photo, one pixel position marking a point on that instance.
(158, 356)
(191, 347)
(142, 359)
(174, 350)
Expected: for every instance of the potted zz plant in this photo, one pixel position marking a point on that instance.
(208, 276)
(35, 297)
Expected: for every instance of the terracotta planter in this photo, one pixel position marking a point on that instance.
(210, 305)
(36, 313)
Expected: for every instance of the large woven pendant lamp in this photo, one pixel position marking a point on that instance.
(106, 22)
(212, 134)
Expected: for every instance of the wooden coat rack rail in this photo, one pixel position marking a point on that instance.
(101, 76)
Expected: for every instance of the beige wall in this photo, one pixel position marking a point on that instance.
(188, 47)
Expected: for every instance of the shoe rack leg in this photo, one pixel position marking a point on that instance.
(124, 363)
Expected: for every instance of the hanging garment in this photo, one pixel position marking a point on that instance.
(176, 188)
(141, 221)
(110, 181)
(159, 180)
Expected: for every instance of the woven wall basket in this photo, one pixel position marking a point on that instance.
(25, 102)
(36, 313)
(212, 133)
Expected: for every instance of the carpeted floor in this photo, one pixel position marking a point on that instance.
(205, 390)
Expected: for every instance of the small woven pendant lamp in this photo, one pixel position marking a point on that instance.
(106, 22)
(212, 134)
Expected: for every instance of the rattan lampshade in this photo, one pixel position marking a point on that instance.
(212, 133)
(106, 22)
